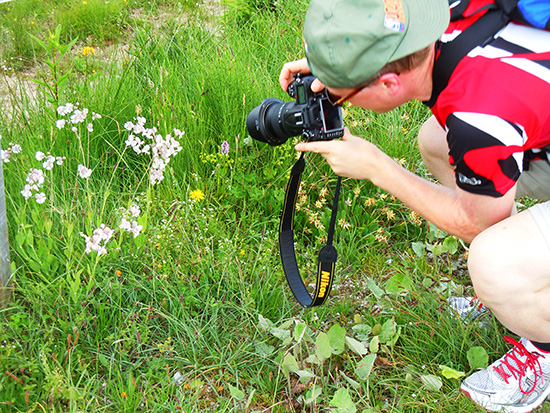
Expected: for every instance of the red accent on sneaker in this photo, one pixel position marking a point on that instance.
(518, 367)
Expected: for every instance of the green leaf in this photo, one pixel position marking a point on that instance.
(311, 395)
(374, 344)
(419, 248)
(299, 331)
(364, 367)
(450, 245)
(389, 330)
(264, 349)
(343, 402)
(477, 358)
(265, 324)
(289, 364)
(375, 289)
(235, 392)
(337, 338)
(450, 373)
(322, 347)
(304, 375)
(432, 383)
(356, 346)
(362, 331)
(351, 382)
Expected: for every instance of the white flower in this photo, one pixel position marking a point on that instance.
(26, 192)
(134, 210)
(6, 155)
(40, 155)
(79, 116)
(90, 127)
(48, 163)
(128, 126)
(95, 116)
(16, 148)
(84, 172)
(65, 110)
(136, 228)
(59, 160)
(60, 124)
(125, 224)
(40, 198)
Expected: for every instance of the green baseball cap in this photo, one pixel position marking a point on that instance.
(348, 41)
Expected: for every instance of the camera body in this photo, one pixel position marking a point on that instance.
(311, 115)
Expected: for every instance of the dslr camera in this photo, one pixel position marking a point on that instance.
(311, 115)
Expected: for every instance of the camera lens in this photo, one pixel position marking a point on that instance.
(274, 121)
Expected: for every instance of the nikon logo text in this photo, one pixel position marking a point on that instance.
(325, 280)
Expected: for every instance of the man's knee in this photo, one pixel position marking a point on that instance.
(489, 267)
(432, 138)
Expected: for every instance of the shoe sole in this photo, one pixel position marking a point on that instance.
(506, 409)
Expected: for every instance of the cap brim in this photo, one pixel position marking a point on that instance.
(428, 20)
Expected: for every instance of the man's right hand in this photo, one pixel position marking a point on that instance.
(298, 66)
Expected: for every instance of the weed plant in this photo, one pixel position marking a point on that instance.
(143, 232)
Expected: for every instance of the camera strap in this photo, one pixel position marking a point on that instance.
(327, 257)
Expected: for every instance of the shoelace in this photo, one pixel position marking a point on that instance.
(518, 367)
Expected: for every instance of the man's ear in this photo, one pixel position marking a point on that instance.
(391, 82)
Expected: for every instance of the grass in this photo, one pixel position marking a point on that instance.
(193, 314)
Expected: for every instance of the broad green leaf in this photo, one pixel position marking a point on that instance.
(432, 383)
(450, 245)
(364, 367)
(299, 331)
(389, 329)
(477, 358)
(311, 395)
(280, 333)
(343, 402)
(362, 331)
(399, 283)
(450, 373)
(264, 322)
(374, 344)
(351, 382)
(264, 349)
(337, 338)
(375, 289)
(322, 347)
(304, 375)
(235, 392)
(289, 364)
(356, 346)
(419, 248)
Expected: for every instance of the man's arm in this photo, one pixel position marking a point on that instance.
(453, 210)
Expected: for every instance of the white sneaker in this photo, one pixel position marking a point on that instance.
(467, 308)
(518, 382)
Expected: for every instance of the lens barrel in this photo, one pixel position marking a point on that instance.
(274, 121)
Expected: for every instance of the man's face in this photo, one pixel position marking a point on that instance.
(373, 97)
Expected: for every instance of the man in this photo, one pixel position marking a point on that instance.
(491, 119)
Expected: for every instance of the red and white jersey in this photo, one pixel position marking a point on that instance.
(496, 107)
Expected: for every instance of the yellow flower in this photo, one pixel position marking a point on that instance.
(86, 50)
(123, 394)
(242, 252)
(84, 2)
(196, 195)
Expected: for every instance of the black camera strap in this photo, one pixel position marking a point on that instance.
(326, 260)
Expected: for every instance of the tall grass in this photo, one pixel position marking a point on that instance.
(193, 313)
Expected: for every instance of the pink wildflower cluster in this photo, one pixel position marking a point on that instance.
(35, 178)
(147, 141)
(129, 224)
(12, 149)
(74, 116)
(98, 240)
